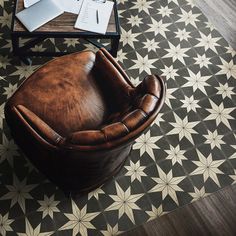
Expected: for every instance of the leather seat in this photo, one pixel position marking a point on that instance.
(77, 116)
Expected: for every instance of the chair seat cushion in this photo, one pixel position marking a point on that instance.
(64, 94)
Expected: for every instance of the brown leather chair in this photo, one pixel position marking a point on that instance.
(77, 116)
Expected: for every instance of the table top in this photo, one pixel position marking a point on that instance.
(61, 24)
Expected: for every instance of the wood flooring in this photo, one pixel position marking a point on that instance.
(213, 215)
(222, 14)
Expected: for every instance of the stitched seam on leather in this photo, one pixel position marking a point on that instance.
(153, 95)
(59, 140)
(127, 129)
(105, 137)
(144, 113)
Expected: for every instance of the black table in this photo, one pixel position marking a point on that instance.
(60, 27)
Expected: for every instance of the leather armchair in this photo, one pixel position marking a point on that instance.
(77, 116)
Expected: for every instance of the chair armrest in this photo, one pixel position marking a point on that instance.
(116, 64)
(39, 126)
(112, 79)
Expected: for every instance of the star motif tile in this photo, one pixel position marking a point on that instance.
(187, 153)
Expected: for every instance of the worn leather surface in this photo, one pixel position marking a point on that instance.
(79, 115)
(54, 93)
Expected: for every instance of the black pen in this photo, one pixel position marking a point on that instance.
(97, 16)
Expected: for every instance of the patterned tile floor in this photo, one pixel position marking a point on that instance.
(188, 152)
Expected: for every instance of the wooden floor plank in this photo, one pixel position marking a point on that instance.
(213, 215)
(222, 14)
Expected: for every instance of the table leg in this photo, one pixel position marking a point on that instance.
(114, 46)
(15, 44)
(26, 60)
(16, 50)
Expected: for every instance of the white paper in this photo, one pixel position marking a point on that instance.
(94, 16)
(28, 3)
(72, 6)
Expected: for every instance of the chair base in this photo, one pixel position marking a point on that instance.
(75, 193)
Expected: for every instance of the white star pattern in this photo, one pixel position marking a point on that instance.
(167, 185)
(30, 231)
(8, 149)
(227, 68)
(175, 155)
(135, 81)
(135, 171)
(183, 34)
(169, 96)
(142, 5)
(176, 53)
(188, 18)
(128, 37)
(190, 103)
(10, 90)
(197, 81)
(158, 119)
(38, 48)
(155, 212)
(151, 45)
(124, 202)
(165, 11)
(169, 38)
(169, 72)
(121, 56)
(225, 90)
(95, 193)
(197, 194)
(207, 167)
(134, 20)
(4, 61)
(143, 64)
(208, 42)
(210, 26)
(48, 206)
(191, 3)
(202, 61)
(71, 42)
(24, 71)
(146, 143)
(174, 1)
(18, 192)
(220, 114)
(231, 51)
(214, 139)
(79, 220)
(158, 27)
(183, 128)
(111, 231)
(5, 20)
(5, 223)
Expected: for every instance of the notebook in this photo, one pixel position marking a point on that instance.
(39, 14)
(94, 16)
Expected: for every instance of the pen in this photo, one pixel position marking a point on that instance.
(97, 16)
